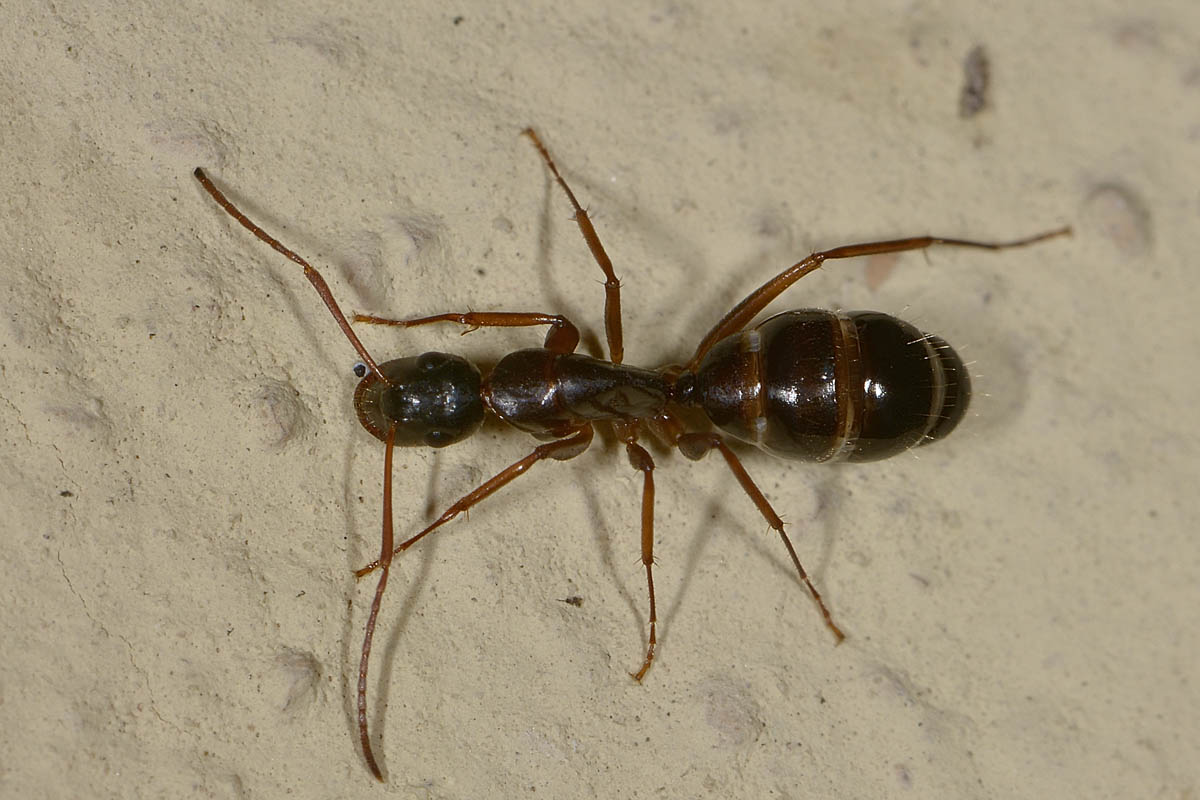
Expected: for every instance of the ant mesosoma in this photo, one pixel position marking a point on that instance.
(809, 384)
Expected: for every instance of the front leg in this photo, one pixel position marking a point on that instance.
(563, 336)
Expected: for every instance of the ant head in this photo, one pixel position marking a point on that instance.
(433, 399)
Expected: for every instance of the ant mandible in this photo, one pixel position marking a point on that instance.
(810, 384)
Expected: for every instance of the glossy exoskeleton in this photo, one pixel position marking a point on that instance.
(812, 385)
(822, 386)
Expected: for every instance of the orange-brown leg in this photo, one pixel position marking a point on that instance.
(640, 459)
(562, 337)
(612, 286)
(743, 312)
(697, 445)
(559, 450)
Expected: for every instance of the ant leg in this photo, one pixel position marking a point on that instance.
(639, 459)
(310, 271)
(612, 286)
(385, 562)
(562, 337)
(743, 312)
(559, 450)
(695, 446)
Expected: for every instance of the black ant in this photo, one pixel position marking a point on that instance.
(811, 385)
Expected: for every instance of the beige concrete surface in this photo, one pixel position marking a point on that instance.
(185, 490)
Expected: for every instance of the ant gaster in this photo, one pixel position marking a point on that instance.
(811, 385)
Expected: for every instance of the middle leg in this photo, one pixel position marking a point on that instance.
(640, 459)
(612, 286)
(559, 450)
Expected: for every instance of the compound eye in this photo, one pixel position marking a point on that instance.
(439, 438)
(430, 361)
(360, 369)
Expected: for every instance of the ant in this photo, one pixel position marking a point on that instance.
(810, 384)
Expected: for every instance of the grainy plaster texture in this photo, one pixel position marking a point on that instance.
(184, 490)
